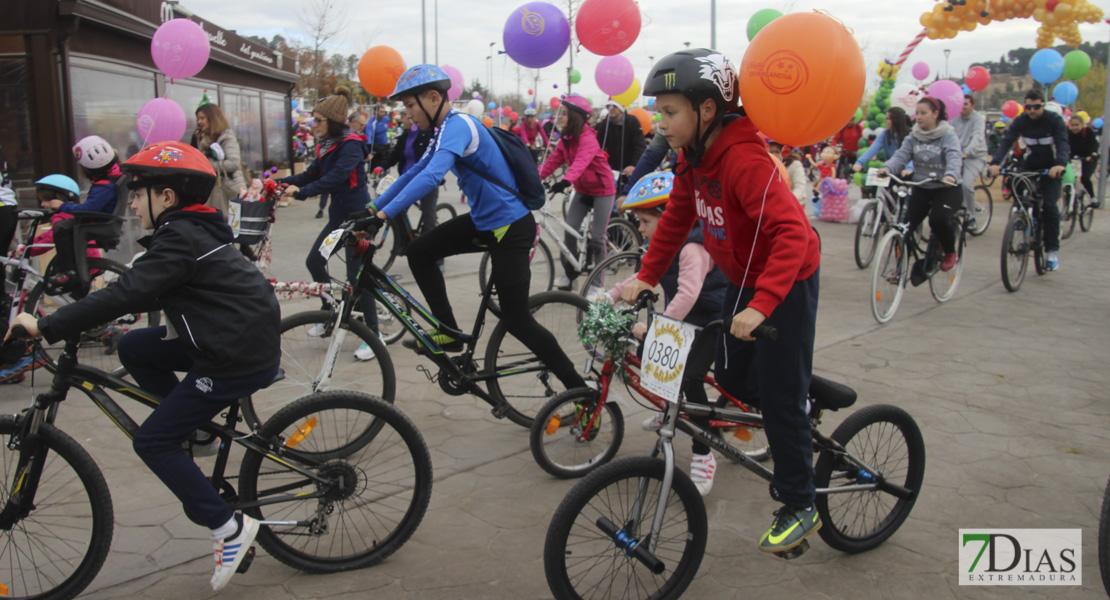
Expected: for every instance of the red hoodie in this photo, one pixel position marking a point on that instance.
(741, 198)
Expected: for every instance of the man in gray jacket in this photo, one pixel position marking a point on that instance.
(971, 126)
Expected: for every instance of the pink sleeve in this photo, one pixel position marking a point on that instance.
(615, 293)
(694, 266)
(584, 154)
(554, 161)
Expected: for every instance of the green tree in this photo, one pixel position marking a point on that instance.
(476, 86)
(1092, 90)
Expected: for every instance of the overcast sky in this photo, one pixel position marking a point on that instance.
(466, 27)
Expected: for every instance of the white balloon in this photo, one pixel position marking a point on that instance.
(1054, 106)
(475, 108)
(867, 133)
(905, 96)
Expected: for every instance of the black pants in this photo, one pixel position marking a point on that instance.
(510, 273)
(186, 405)
(1050, 212)
(318, 267)
(778, 375)
(1089, 167)
(940, 205)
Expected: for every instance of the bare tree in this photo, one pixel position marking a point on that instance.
(325, 20)
(572, 14)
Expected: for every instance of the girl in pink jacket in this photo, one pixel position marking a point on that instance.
(588, 171)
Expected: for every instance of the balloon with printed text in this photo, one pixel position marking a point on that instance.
(379, 69)
(536, 35)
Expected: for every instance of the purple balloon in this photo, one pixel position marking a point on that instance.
(950, 93)
(179, 48)
(920, 71)
(614, 75)
(536, 35)
(161, 120)
(457, 82)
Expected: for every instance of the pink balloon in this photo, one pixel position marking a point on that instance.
(920, 71)
(179, 48)
(161, 120)
(554, 102)
(950, 93)
(614, 75)
(457, 82)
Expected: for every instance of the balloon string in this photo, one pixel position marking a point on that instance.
(822, 11)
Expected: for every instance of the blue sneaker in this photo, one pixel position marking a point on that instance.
(13, 372)
(1052, 261)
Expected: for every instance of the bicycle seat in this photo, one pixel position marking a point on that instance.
(280, 375)
(830, 394)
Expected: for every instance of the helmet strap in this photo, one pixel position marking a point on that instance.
(696, 152)
(434, 121)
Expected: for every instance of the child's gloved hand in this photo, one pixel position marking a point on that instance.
(560, 187)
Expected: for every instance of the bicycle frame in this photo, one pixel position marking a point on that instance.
(577, 261)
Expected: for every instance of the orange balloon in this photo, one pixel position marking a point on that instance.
(802, 78)
(488, 121)
(379, 69)
(643, 117)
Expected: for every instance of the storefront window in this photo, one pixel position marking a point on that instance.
(244, 114)
(188, 95)
(15, 127)
(277, 132)
(106, 103)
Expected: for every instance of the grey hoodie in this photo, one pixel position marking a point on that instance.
(934, 153)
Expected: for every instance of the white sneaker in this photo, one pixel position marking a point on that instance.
(316, 330)
(202, 443)
(231, 551)
(562, 282)
(702, 467)
(364, 352)
(655, 422)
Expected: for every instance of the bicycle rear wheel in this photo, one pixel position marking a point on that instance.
(943, 284)
(868, 231)
(582, 561)
(1086, 211)
(888, 276)
(984, 210)
(572, 435)
(1015, 251)
(542, 270)
(374, 497)
(390, 327)
(611, 271)
(56, 550)
(622, 236)
(522, 380)
(888, 441)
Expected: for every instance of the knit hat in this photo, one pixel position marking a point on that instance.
(334, 108)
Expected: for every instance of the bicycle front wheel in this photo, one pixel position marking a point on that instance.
(984, 210)
(583, 561)
(55, 551)
(318, 356)
(575, 433)
(1069, 211)
(1086, 211)
(888, 276)
(370, 500)
(888, 441)
(943, 284)
(521, 380)
(622, 236)
(542, 274)
(390, 327)
(611, 271)
(1015, 251)
(868, 231)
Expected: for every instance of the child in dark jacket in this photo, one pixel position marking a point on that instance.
(222, 331)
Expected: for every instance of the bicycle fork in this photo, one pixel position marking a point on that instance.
(339, 333)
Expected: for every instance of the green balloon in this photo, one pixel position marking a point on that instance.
(575, 76)
(858, 179)
(859, 115)
(1076, 64)
(760, 20)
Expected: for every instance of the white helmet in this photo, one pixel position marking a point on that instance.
(93, 152)
(529, 112)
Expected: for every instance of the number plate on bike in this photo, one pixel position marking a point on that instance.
(666, 347)
(328, 245)
(877, 178)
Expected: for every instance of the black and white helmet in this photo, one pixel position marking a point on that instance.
(698, 74)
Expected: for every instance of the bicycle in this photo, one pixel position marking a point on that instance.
(984, 210)
(900, 258)
(401, 227)
(1074, 204)
(888, 207)
(1024, 230)
(637, 527)
(339, 464)
(517, 383)
(611, 271)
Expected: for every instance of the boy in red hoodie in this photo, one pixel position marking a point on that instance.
(757, 233)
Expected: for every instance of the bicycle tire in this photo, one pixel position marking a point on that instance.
(622, 236)
(1086, 212)
(526, 391)
(611, 271)
(888, 276)
(835, 530)
(942, 285)
(868, 231)
(87, 538)
(560, 441)
(1069, 212)
(1104, 539)
(386, 236)
(1039, 256)
(302, 359)
(982, 217)
(104, 336)
(445, 212)
(542, 274)
(1015, 251)
(681, 546)
(390, 328)
(397, 459)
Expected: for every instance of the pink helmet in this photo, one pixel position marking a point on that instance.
(578, 102)
(93, 152)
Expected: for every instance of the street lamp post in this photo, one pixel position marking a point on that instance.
(946, 53)
(713, 24)
(490, 88)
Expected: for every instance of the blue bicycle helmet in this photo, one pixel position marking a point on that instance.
(420, 79)
(651, 191)
(61, 184)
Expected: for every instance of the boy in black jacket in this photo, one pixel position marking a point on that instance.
(222, 331)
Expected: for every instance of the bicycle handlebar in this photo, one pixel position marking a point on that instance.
(761, 332)
(18, 333)
(1045, 172)
(931, 179)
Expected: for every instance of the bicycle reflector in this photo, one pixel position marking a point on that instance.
(302, 433)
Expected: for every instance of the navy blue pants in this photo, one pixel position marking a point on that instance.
(318, 267)
(186, 405)
(1050, 213)
(777, 374)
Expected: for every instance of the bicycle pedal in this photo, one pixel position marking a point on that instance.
(790, 554)
(247, 560)
(501, 411)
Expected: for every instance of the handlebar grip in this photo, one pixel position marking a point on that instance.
(766, 332)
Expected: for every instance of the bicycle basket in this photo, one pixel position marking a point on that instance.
(253, 219)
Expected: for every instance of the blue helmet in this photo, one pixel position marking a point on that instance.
(651, 191)
(62, 184)
(421, 78)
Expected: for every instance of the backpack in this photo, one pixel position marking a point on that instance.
(522, 166)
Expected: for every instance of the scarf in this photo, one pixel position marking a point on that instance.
(932, 135)
(327, 142)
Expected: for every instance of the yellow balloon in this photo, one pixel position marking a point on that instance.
(1039, 13)
(629, 96)
(1063, 10)
(1083, 115)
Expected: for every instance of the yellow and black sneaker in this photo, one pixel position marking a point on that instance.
(444, 341)
(790, 527)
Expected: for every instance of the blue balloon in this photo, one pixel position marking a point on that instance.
(651, 101)
(1066, 93)
(492, 105)
(294, 103)
(1097, 123)
(1046, 66)
(967, 90)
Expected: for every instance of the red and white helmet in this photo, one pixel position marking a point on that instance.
(93, 152)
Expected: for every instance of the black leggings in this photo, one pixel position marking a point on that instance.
(510, 272)
(940, 205)
(1089, 167)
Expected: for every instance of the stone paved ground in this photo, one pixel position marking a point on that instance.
(1009, 390)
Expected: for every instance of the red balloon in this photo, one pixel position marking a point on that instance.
(529, 92)
(977, 78)
(607, 27)
(554, 103)
(1051, 5)
(1011, 109)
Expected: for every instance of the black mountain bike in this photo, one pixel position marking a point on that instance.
(1025, 230)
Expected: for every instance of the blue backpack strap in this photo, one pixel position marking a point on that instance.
(483, 174)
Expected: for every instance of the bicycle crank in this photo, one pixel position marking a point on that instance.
(794, 552)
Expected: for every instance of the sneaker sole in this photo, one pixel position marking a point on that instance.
(792, 545)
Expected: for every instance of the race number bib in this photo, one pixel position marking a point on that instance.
(876, 178)
(328, 245)
(233, 213)
(666, 347)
